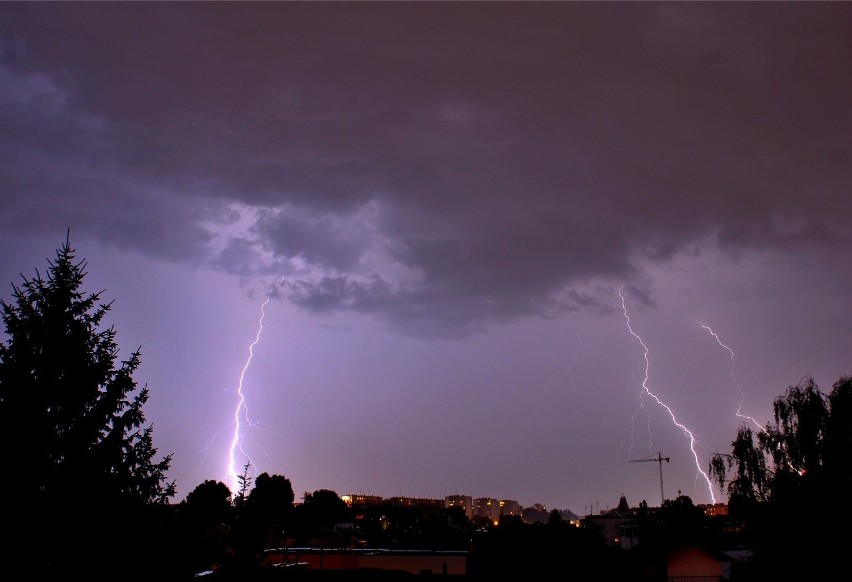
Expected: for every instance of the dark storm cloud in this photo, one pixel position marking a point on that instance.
(318, 240)
(514, 151)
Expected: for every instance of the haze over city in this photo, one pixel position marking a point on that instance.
(508, 248)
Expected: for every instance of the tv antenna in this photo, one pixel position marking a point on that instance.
(658, 459)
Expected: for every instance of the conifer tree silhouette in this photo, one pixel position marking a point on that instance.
(71, 415)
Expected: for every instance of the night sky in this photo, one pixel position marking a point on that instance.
(473, 222)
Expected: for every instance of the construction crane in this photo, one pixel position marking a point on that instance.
(658, 459)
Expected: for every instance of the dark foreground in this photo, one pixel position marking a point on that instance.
(311, 575)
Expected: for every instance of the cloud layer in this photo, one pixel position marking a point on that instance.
(444, 166)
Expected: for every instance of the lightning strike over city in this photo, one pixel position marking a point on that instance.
(646, 391)
(454, 192)
(733, 379)
(241, 409)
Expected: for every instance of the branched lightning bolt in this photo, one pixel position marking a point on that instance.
(734, 380)
(241, 411)
(647, 391)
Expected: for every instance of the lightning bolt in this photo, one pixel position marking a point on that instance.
(734, 380)
(647, 391)
(241, 410)
(567, 372)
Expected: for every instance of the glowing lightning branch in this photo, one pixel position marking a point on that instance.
(647, 391)
(566, 372)
(734, 380)
(241, 410)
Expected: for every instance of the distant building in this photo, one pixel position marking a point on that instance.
(628, 535)
(415, 501)
(358, 499)
(463, 501)
(487, 508)
(509, 507)
(615, 524)
(715, 510)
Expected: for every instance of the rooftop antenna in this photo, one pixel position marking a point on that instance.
(658, 459)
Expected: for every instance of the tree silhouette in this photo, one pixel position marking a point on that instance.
(803, 452)
(207, 513)
(243, 483)
(791, 480)
(554, 519)
(325, 508)
(208, 503)
(318, 513)
(271, 506)
(84, 456)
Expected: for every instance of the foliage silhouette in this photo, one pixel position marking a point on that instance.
(271, 507)
(85, 459)
(790, 482)
(206, 513)
(260, 518)
(318, 513)
(228, 533)
(208, 503)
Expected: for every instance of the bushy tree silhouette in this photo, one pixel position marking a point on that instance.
(271, 507)
(803, 452)
(85, 464)
(207, 513)
(208, 503)
(259, 520)
(790, 481)
(318, 514)
(229, 533)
